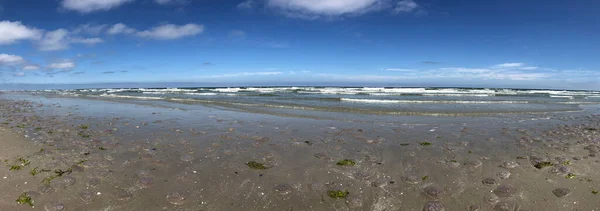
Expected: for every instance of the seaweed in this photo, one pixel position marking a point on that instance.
(101, 148)
(15, 167)
(570, 176)
(34, 171)
(47, 180)
(25, 199)
(81, 161)
(83, 135)
(469, 152)
(404, 144)
(543, 164)
(23, 162)
(454, 161)
(594, 192)
(338, 194)
(37, 128)
(84, 127)
(566, 162)
(521, 157)
(256, 165)
(425, 143)
(425, 178)
(346, 162)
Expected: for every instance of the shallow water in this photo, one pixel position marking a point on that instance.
(159, 155)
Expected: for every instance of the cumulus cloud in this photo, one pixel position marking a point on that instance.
(64, 65)
(87, 6)
(31, 67)
(88, 41)
(246, 5)
(324, 7)
(89, 29)
(406, 6)
(171, 31)
(54, 40)
(12, 32)
(11, 60)
(120, 28)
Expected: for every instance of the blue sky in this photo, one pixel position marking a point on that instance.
(530, 44)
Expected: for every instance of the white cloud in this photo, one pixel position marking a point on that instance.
(65, 65)
(171, 31)
(12, 32)
(87, 6)
(88, 41)
(509, 65)
(120, 28)
(19, 74)
(90, 29)
(54, 40)
(7, 59)
(31, 67)
(528, 68)
(324, 7)
(246, 5)
(406, 6)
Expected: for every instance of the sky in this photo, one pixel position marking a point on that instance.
(469, 43)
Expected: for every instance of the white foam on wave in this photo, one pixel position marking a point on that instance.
(562, 96)
(130, 97)
(430, 101)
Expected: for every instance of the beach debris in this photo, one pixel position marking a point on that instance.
(425, 143)
(561, 192)
(24, 198)
(346, 162)
(336, 194)
(257, 165)
(434, 206)
(543, 164)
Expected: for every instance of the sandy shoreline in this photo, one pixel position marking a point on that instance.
(125, 156)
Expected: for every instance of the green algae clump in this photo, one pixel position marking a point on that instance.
(570, 176)
(425, 143)
(338, 194)
(541, 165)
(346, 162)
(256, 165)
(425, 178)
(25, 199)
(594, 192)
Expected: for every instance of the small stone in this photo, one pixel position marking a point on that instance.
(176, 198)
(87, 196)
(489, 181)
(491, 199)
(561, 192)
(54, 206)
(474, 207)
(509, 165)
(92, 182)
(283, 189)
(505, 190)
(504, 174)
(434, 206)
(504, 206)
(187, 158)
(433, 192)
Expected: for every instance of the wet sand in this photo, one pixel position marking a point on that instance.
(129, 156)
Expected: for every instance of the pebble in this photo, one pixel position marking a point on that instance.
(433, 192)
(283, 189)
(187, 158)
(561, 192)
(54, 206)
(176, 198)
(434, 206)
(87, 196)
(505, 190)
(509, 164)
(504, 174)
(489, 181)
